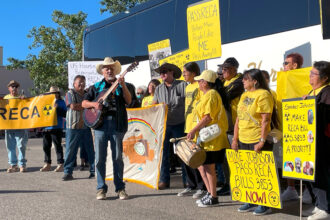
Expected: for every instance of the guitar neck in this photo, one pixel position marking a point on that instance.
(113, 86)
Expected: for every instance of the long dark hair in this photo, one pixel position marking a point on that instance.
(256, 74)
(219, 87)
(193, 67)
(153, 81)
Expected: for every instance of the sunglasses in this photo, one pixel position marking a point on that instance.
(164, 71)
(139, 93)
(286, 63)
(14, 87)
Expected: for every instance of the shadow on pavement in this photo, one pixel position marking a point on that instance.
(22, 191)
(151, 195)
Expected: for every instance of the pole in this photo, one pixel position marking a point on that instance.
(300, 198)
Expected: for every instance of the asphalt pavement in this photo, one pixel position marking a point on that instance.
(43, 195)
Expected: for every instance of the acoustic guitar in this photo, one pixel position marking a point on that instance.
(93, 118)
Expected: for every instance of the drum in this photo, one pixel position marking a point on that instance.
(190, 153)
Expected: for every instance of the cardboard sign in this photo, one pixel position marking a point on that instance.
(253, 177)
(27, 113)
(157, 51)
(299, 138)
(204, 33)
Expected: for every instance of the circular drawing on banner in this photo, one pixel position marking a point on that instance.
(47, 110)
(273, 198)
(237, 194)
(139, 148)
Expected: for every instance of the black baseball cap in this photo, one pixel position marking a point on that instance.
(230, 62)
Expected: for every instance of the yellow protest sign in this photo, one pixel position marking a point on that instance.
(28, 113)
(299, 137)
(253, 177)
(157, 51)
(204, 35)
(159, 45)
(179, 59)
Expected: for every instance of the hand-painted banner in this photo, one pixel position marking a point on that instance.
(28, 113)
(204, 35)
(299, 138)
(253, 177)
(142, 146)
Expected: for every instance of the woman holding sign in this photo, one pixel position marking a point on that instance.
(210, 110)
(319, 78)
(254, 114)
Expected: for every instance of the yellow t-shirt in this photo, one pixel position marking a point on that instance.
(317, 91)
(147, 101)
(249, 108)
(211, 103)
(193, 95)
(10, 97)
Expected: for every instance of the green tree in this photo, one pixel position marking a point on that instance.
(116, 6)
(55, 46)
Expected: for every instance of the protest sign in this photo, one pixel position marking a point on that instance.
(179, 59)
(85, 68)
(28, 113)
(253, 177)
(204, 35)
(142, 146)
(299, 138)
(157, 51)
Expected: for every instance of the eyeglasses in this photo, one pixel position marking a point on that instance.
(285, 63)
(164, 71)
(139, 93)
(14, 87)
(313, 73)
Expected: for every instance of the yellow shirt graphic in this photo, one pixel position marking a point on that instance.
(249, 108)
(193, 95)
(211, 103)
(147, 101)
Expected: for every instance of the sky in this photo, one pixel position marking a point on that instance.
(18, 17)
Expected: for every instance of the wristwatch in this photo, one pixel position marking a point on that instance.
(262, 140)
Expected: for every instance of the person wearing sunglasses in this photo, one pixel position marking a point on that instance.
(293, 61)
(15, 138)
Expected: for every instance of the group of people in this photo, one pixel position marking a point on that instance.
(241, 105)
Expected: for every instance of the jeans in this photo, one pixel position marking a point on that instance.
(19, 139)
(107, 132)
(172, 131)
(54, 135)
(74, 139)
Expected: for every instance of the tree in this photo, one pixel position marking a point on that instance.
(116, 6)
(56, 47)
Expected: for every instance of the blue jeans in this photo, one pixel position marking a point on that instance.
(74, 139)
(19, 139)
(107, 132)
(172, 131)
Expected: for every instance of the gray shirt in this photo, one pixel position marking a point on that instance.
(174, 97)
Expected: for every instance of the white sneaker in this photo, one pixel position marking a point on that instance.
(310, 211)
(185, 192)
(289, 194)
(307, 198)
(198, 194)
(320, 214)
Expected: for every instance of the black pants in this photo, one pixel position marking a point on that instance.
(193, 178)
(55, 136)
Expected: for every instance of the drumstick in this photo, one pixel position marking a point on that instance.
(173, 140)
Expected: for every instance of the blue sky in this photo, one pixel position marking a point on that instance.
(18, 17)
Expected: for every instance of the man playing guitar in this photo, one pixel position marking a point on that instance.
(113, 127)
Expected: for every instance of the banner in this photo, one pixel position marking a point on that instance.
(253, 177)
(157, 51)
(299, 137)
(142, 146)
(204, 35)
(28, 113)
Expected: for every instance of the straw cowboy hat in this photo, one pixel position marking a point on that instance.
(108, 61)
(13, 83)
(168, 66)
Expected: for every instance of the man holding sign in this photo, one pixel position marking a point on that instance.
(16, 137)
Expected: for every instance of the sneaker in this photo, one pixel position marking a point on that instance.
(198, 194)
(289, 194)
(307, 198)
(186, 192)
(59, 168)
(67, 176)
(319, 214)
(310, 211)
(122, 194)
(101, 194)
(224, 191)
(209, 202)
(246, 207)
(22, 169)
(91, 176)
(262, 210)
(46, 167)
(12, 169)
(199, 201)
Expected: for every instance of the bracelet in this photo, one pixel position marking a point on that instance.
(262, 140)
